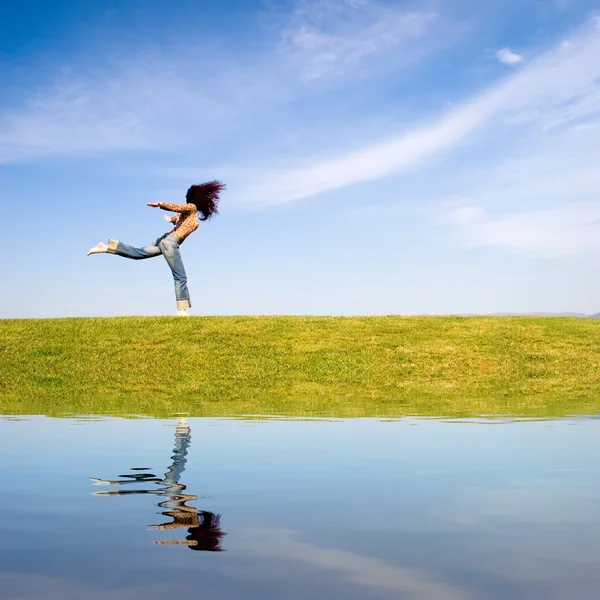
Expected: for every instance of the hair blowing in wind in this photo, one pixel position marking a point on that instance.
(206, 197)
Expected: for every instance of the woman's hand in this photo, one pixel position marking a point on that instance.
(153, 204)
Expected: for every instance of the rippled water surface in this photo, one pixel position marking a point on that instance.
(255, 508)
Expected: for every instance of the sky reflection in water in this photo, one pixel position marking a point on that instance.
(415, 509)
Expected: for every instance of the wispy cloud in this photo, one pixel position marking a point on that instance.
(545, 233)
(557, 89)
(508, 57)
(121, 107)
(370, 163)
(64, 121)
(326, 38)
(113, 103)
(365, 571)
(546, 168)
(538, 196)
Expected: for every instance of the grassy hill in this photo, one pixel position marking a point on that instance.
(313, 366)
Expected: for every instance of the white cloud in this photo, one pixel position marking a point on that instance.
(550, 233)
(557, 89)
(66, 121)
(123, 105)
(365, 571)
(327, 38)
(117, 104)
(370, 163)
(543, 167)
(539, 199)
(82, 114)
(508, 57)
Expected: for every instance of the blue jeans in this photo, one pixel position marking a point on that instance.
(168, 246)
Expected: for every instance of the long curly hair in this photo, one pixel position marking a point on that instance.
(207, 535)
(205, 196)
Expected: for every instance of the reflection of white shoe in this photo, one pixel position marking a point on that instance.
(182, 313)
(98, 249)
(97, 481)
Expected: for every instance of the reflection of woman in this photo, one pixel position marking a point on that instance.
(203, 199)
(204, 531)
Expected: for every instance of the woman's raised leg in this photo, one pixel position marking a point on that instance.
(122, 249)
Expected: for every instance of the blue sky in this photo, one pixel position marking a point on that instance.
(381, 157)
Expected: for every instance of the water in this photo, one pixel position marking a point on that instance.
(259, 509)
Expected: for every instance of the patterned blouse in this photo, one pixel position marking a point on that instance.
(185, 222)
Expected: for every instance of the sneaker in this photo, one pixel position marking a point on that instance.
(99, 248)
(182, 313)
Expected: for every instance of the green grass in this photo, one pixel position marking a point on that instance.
(301, 366)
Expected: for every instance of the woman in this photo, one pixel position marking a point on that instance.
(203, 199)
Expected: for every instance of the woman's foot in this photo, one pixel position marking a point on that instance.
(182, 313)
(98, 249)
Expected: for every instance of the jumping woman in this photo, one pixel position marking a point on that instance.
(203, 199)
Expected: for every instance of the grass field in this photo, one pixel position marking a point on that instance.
(301, 366)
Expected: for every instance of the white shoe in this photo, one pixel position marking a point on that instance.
(182, 313)
(100, 248)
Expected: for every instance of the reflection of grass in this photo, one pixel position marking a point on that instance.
(386, 366)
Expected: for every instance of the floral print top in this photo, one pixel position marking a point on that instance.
(185, 222)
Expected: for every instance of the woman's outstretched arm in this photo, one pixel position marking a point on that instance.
(178, 208)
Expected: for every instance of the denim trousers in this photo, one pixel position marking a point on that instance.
(168, 246)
